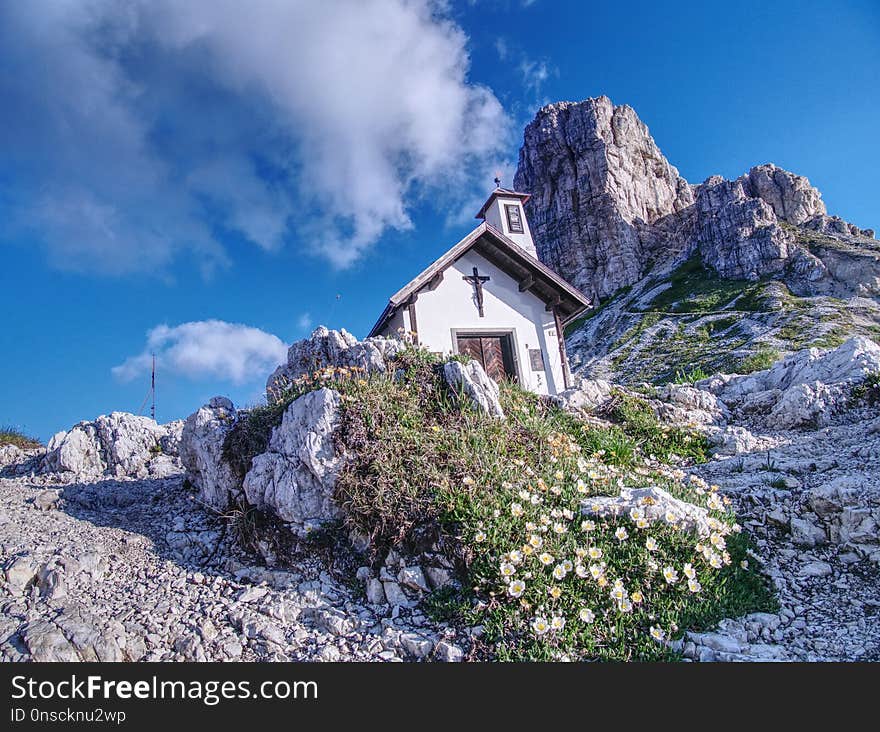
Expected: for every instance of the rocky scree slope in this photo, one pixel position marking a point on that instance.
(709, 275)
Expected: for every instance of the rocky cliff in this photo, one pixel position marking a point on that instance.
(723, 270)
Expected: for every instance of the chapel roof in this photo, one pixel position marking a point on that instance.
(533, 276)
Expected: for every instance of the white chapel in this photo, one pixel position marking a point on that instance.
(491, 298)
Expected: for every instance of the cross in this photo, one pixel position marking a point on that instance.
(477, 281)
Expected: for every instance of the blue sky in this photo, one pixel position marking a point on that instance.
(226, 180)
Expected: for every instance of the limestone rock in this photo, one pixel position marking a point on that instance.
(295, 477)
(116, 445)
(804, 389)
(10, 455)
(337, 348)
(737, 236)
(587, 396)
(655, 502)
(598, 182)
(471, 383)
(201, 452)
(791, 196)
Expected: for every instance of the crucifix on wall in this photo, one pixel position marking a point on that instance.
(477, 281)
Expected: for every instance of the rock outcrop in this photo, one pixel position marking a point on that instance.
(804, 389)
(201, 452)
(471, 385)
(336, 348)
(294, 479)
(116, 445)
(598, 183)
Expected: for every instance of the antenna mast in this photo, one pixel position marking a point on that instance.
(153, 389)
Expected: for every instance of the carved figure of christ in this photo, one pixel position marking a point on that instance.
(477, 281)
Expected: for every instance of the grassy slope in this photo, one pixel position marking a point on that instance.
(701, 322)
(424, 471)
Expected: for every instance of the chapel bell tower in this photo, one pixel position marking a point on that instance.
(505, 211)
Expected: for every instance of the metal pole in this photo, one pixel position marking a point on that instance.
(153, 389)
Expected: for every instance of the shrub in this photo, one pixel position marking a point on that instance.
(867, 391)
(14, 436)
(762, 359)
(691, 376)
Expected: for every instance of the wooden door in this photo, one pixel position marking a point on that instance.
(494, 353)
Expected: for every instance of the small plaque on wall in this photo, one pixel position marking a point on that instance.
(536, 357)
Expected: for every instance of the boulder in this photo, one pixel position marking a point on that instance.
(201, 452)
(336, 348)
(471, 385)
(655, 503)
(587, 396)
(115, 445)
(10, 455)
(296, 476)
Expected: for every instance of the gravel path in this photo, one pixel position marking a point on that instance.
(138, 570)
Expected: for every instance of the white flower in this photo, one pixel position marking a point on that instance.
(717, 540)
(594, 552)
(581, 486)
(744, 564)
(515, 556)
(507, 569)
(581, 571)
(694, 586)
(516, 588)
(535, 541)
(715, 560)
(714, 502)
(621, 533)
(642, 523)
(540, 625)
(557, 622)
(567, 514)
(559, 572)
(658, 634)
(624, 605)
(534, 499)
(651, 544)
(670, 575)
(516, 509)
(525, 495)
(689, 571)
(545, 558)
(671, 518)
(588, 525)
(567, 565)
(559, 528)
(467, 480)
(586, 615)
(636, 513)
(596, 571)
(480, 537)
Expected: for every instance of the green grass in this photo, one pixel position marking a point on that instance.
(690, 376)
(695, 289)
(424, 472)
(761, 359)
(14, 436)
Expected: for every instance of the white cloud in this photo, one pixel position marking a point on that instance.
(207, 348)
(140, 127)
(304, 321)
